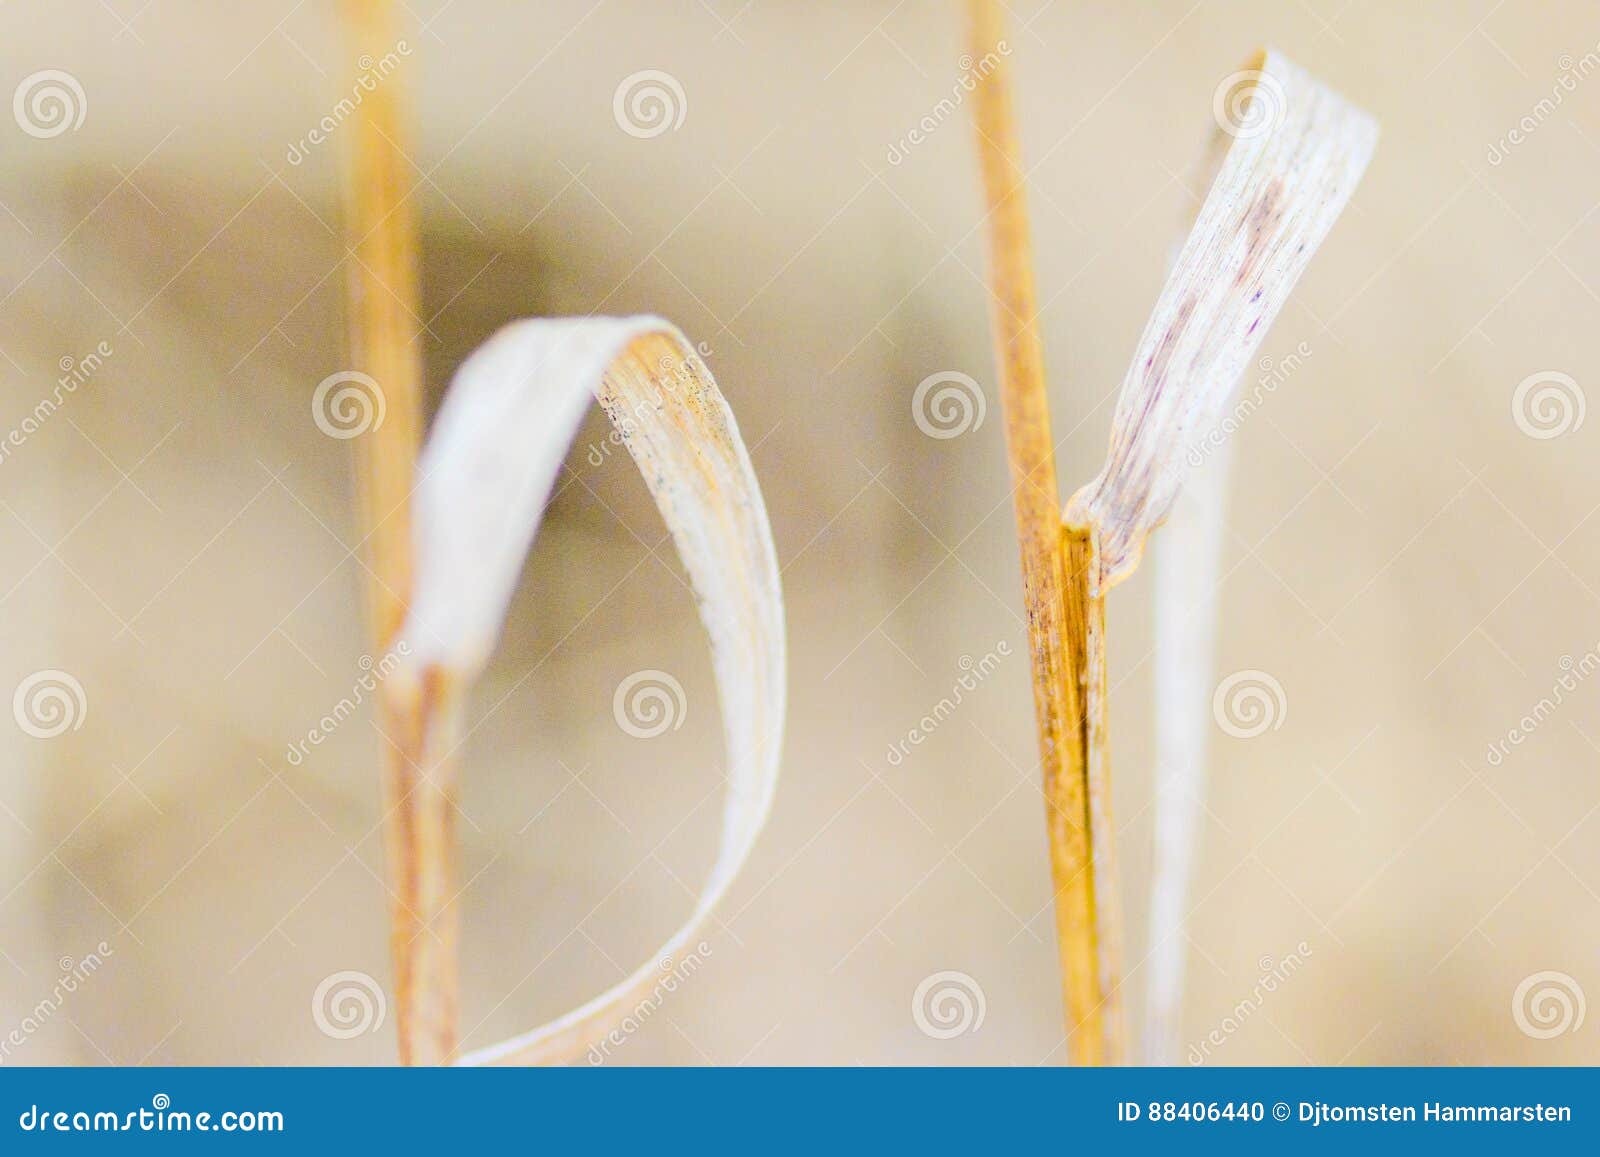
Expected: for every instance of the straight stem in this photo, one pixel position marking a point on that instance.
(382, 292)
(1065, 625)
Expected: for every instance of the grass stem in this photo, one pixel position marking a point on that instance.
(382, 289)
(1065, 624)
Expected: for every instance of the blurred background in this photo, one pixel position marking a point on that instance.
(1412, 554)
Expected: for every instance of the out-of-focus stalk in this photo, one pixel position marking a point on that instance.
(381, 235)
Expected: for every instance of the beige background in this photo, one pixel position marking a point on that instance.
(1403, 559)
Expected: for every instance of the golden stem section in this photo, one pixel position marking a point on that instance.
(1055, 581)
(381, 282)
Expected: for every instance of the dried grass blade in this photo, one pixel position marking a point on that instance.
(1188, 567)
(1298, 151)
(485, 476)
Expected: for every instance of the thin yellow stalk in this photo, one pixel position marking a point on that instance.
(1090, 761)
(382, 296)
(1065, 624)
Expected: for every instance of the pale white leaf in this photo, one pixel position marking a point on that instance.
(1297, 152)
(485, 476)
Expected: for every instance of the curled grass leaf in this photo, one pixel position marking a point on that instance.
(512, 411)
